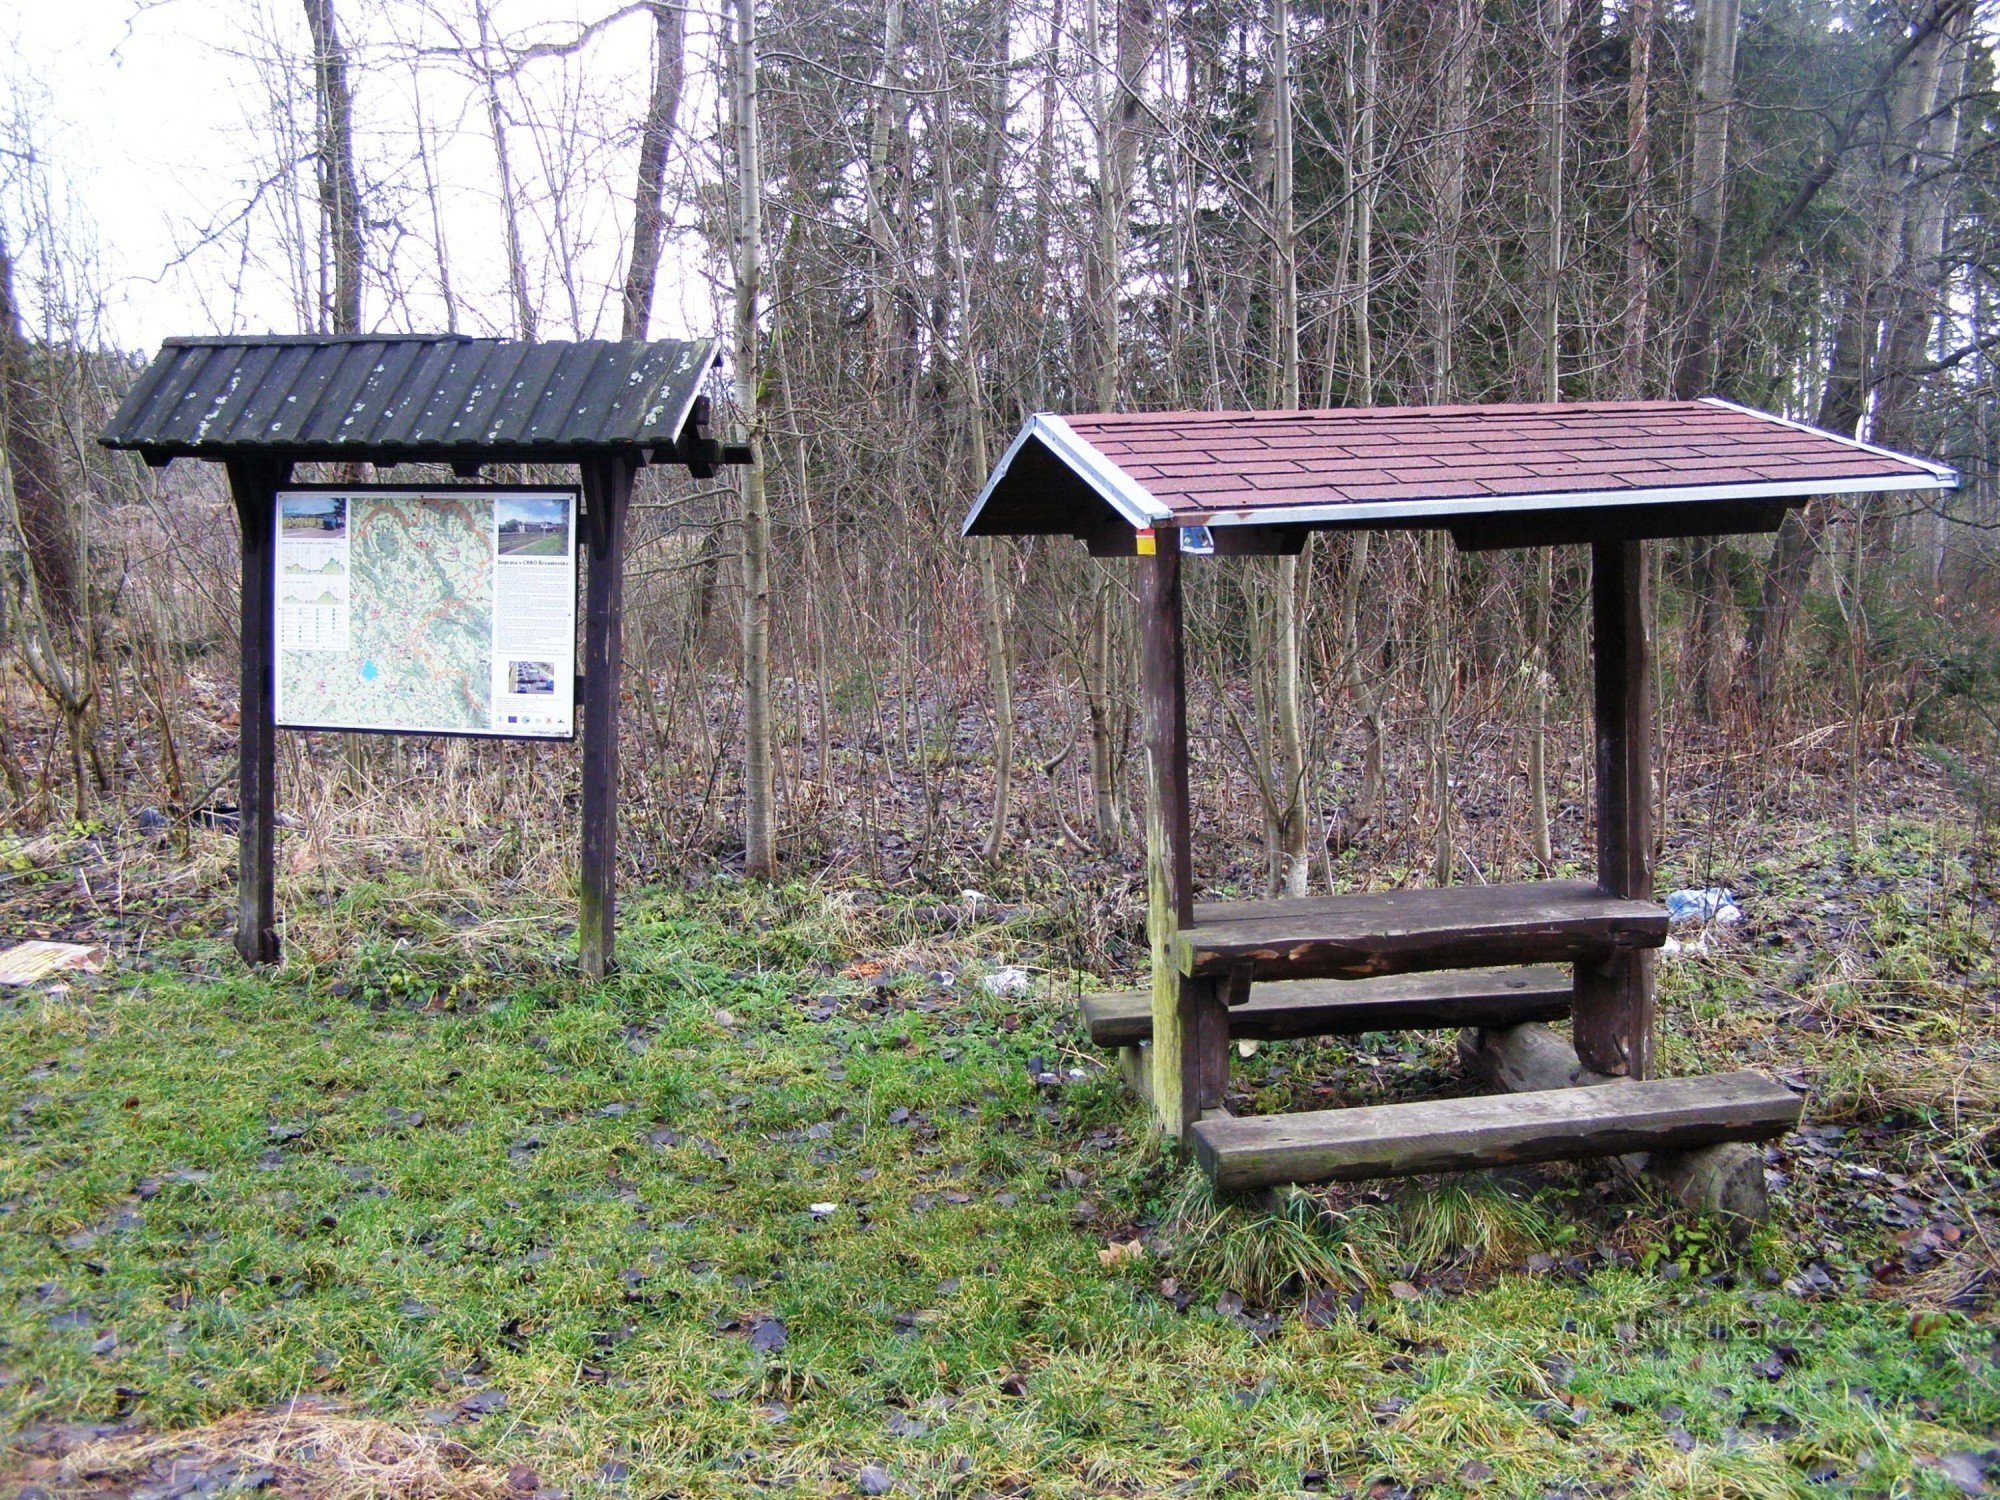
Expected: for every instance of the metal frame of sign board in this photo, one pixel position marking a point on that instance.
(573, 493)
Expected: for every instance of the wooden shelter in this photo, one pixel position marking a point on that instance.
(1159, 486)
(261, 405)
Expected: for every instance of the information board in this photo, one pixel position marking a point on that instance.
(427, 611)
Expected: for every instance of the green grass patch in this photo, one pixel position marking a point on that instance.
(758, 1212)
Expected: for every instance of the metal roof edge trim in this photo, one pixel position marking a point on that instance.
(317, 340)
(1486, 505)
(1120, 490)
(1944, 472)
(1130, 499)
(993, 480)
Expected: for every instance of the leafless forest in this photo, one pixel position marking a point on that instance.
(917, 222)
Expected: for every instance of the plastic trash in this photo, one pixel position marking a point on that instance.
(1713, 904)
(1010, 983)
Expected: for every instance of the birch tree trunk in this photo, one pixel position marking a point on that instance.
(759, 793)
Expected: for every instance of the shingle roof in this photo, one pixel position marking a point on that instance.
(409, 398)
(1416, 465)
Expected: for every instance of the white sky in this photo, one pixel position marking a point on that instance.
(155, 121)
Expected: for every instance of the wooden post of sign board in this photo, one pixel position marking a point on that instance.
(607, 492)
(1612, 1018)
(253, 485)
(1190, 1043)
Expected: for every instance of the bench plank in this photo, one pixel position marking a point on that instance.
(1458, 1135)
(1400, 932)
(1487, 998)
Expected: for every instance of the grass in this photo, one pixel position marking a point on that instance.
(784, 1199)
(548, 544)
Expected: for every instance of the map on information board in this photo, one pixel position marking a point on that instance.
(445, 611)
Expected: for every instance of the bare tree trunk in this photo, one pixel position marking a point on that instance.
(1908, 226)
(1291, 865)
(1918, 292)
(1363, 102)
(759, 792)
(35, 507)
(1100, 696)
(1544, 362)
(41, 508)
(1639, 179)
(1791, 561)
(1101, 269)
(1701, 292)
(496, 121)
(655, 137)
(1362, 86)
(1446, 181)
(339, 194)
(1541, 363)
(992, 589)
(1715, 89)
(1117, 122)
(881, 232)
(999, 670)
(339, 232)
(434, 201)
(1440, 318)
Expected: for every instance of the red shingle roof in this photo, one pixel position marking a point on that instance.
(1423, 465)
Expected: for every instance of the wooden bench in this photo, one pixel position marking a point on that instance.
(1458, 1135)
(1489, 998)
(1401, 932)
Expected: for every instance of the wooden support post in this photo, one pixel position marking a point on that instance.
(1190, 1049)
(253, 484)
(607, 489)
(1612, 1019)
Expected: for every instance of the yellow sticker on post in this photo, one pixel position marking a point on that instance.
(1147, 544)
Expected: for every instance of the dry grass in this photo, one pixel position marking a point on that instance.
(308, 1448)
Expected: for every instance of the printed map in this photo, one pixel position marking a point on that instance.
(420, 627)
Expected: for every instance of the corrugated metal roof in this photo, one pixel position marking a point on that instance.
(378, 399)
(1403, 466)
